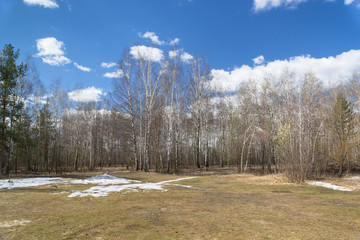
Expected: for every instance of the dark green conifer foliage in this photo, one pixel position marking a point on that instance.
(10, 104)
(344, 128)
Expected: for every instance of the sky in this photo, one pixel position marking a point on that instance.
(79, 42)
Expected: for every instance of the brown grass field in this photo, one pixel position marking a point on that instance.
(230, 206)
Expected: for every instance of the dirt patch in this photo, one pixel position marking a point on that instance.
(14, 223)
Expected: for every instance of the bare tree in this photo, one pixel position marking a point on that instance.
(199, 103)
(125, 97)
(150, 76)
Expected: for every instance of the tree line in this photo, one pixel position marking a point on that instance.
(166, 116)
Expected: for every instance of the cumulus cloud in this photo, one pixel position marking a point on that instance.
(147, 53)
(153, 37)
(331, 71)
(108, 65)
(43, 3)
(56, 60)
(90, 94)
(259, 60)
(117, 74)
(186, 57)
(173, 53)
(174, 41)
(51, 51)
(263, 5)
(82, 68)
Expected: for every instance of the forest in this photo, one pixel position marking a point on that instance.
(166, 117)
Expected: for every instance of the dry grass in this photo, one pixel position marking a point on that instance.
(273, 179)
(220, 207)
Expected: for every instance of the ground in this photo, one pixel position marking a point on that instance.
(230, 206)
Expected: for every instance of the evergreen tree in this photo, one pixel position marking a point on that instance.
(344, 128)
(10, 104)
(25, 147)
(46, 127)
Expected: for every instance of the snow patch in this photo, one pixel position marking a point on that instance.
(104, 179)
(175, 180)
(105, 184)
(329, 185)
(28, 182)
(102, 191)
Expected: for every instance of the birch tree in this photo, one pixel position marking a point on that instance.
(199, 102)
(174, 100)
(150, 75)
(125, 98)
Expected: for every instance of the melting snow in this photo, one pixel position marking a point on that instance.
(28, 182)
(104, 179)
(102, 191)
(105, 184)
(329, 185)
(175, 180)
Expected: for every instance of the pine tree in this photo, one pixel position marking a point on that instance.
(10, 104)
(25, 142)
(46, 127)
(344, 128)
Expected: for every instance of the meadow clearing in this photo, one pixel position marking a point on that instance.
(207, 206)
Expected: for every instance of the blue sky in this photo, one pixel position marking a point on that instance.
(69, 39)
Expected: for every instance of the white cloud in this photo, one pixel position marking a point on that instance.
(173, 53)
(40, 99)
(108, 65)
(174, 41)
(153, 37)
(43, 3)
(331, 71)
(56, 60)
(186, 57)
(263, 5)
(50, 46)
(52, 51)
(259, 60)
(147, 53)
(82, 68)
(117, 74)
(348, 2)
(72, 111)
(90, 94)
